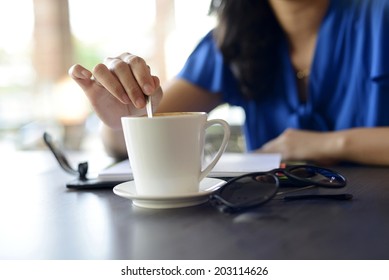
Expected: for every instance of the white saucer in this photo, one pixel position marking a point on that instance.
(207, 186)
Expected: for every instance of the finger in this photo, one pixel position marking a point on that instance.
(268, 147)
(156, 82)
(124, 74)
(141, 73)
(79, 72)
(81, 76)
(108, 80)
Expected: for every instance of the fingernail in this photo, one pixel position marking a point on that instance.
(140, 103)
(85, 74)
(148, 89)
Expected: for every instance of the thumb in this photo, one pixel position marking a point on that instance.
(82, 76)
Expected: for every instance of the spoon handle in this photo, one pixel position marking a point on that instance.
(149, 107)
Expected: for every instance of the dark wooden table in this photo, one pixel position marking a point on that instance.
(41, 219)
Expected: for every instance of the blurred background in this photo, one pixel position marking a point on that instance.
(41, 39)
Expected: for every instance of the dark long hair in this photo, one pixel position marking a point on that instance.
(248, 34)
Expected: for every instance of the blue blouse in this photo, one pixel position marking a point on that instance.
(348, 84)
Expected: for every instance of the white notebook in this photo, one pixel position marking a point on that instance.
(229, 165)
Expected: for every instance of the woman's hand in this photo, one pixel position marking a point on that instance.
(302, 145)
(118, 87)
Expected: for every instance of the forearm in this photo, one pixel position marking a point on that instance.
(359, 145)
(362, 145)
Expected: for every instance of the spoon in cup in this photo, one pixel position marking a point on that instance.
(149, 107)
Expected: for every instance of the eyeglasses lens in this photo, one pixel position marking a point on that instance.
(249, 190)
(318, 176)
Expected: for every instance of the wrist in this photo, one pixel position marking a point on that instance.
(113, 141)
(334, 146)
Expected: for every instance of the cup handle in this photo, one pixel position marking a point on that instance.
(222, 148)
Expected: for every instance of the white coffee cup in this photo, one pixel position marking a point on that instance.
(166, 151)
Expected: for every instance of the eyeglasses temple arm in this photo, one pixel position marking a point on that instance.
(62, 160)
(343, 196)
(296, 190)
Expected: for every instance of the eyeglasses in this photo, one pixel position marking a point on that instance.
(62, 160)
(82, 181)
(254, 189)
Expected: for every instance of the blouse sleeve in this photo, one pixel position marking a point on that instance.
(205, 68)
